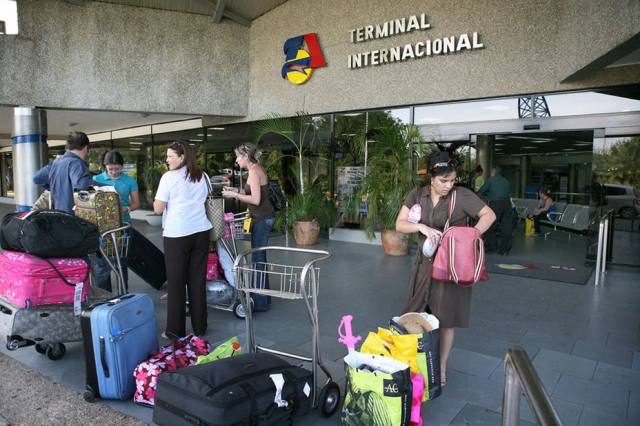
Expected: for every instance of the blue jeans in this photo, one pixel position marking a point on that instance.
(260, 231)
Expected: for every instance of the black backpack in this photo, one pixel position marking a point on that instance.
(277, 198)
(48, 233)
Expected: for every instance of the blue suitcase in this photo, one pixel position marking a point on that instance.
(118, 335)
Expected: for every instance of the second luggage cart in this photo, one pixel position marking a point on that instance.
(293, 282)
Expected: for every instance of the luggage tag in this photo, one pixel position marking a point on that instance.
(77, 299)
(278, 381)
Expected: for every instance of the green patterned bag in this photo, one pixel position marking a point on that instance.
(378, 391)
(229, 348)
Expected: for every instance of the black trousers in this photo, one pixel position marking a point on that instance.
(500, 235)
(536, 221)
(186, 265)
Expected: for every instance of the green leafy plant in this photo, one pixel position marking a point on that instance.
(389, 175)
(312, 205)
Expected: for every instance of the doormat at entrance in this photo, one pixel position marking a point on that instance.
(537, 270)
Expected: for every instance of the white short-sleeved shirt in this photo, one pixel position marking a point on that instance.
(185, 212)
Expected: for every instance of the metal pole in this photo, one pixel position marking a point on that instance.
(511, 396)
(29, 140)
(599, 255)
(605, 244)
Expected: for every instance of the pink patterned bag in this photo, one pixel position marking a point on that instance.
(27, 280)
(212, 266)
(180, 353)
(460, 257)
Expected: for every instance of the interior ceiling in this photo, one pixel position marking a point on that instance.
(248, 9)
(572, 142)
(61, 122)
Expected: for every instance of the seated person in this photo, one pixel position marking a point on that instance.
(545, 207)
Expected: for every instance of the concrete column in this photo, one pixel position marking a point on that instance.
(29, 141)
(525, 165)
(484, 145)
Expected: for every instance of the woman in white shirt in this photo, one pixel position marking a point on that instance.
(180, 199)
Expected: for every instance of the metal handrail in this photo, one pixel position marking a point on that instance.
(521, 377)
(603, 245)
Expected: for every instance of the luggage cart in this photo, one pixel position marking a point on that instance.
(49, 327)
(114, 244)
(221, 294)
(292, 282)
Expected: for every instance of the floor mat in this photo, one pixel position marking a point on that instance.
(506, 265)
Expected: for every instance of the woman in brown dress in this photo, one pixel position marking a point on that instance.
(447, 301)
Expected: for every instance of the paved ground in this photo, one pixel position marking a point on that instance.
(584, 341)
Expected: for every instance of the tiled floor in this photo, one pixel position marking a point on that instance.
(584, 341)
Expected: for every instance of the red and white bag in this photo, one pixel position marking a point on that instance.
(180, 353)
(460, 256)
(212, 266)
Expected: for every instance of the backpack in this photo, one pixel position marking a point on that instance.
(460, 256)
(277, 198)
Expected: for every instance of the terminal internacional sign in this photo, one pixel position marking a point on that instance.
(428, 47)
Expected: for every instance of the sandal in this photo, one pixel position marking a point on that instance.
(443, 379)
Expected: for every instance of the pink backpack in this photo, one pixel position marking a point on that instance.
(460, 256)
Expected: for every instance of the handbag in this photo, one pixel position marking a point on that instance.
(460, 256)
(214, 207)
(276, 197)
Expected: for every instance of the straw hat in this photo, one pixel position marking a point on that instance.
(414, 323)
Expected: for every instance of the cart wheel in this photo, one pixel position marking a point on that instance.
(56, 351)
(41, 348)
(238, 309)
(89, 396)
(329, 398)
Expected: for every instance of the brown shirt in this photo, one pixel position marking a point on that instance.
(264, 208)
(467, 205)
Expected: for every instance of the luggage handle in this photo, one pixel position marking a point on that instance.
(103, 357)
(67, 282)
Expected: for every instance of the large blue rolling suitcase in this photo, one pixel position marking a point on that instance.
(118, 335)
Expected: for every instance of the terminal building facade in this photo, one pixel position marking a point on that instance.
(543, 89)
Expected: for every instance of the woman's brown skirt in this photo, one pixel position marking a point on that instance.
(449, 302)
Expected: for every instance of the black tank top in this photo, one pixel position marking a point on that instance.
(264, 208)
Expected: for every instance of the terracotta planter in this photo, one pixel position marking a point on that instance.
(395, 243)
(306, 232)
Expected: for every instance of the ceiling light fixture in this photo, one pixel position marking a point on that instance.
(216, 128)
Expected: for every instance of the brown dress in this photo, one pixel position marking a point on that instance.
(447, 301)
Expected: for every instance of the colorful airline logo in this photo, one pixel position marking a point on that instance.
(301, 62)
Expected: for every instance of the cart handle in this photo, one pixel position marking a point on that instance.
(114, 230)
(323, 254)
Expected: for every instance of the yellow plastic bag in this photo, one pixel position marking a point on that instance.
(403, 348)
(529, 227)
(246, 225)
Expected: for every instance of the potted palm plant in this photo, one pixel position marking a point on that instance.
(389, 178)
(308, 210)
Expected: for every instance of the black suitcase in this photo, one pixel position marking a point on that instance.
(233, 391)
(48, 233)
(146, 260)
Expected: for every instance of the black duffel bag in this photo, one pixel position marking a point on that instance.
(48, 233)
(233, 391)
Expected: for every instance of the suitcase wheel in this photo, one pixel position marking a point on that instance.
(238, 309)
(329, 398)
(41, 348)
(56, 351)
(89, 396)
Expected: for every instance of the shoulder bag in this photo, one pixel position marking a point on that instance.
(460, 256)
(214, 207)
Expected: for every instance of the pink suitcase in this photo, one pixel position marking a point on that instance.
(27, 280)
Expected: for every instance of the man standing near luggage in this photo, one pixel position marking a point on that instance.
(496, 190)
(70, 172)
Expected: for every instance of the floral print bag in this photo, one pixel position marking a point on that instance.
(182, 352)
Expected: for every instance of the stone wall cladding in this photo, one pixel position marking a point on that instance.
(530, 47)
(113, 57)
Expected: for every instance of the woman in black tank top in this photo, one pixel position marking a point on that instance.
(256, 196)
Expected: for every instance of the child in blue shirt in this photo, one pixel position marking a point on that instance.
(127, 189)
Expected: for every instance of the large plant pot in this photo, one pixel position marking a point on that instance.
(306, 232)
(395, 243)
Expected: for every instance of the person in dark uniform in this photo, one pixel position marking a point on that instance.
(447, 301)
(496, 191)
